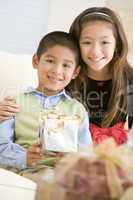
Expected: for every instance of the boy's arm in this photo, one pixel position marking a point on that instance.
(11, 154)
(84, 134)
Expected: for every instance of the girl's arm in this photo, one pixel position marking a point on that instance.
(8, 108)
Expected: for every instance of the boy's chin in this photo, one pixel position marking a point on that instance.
(51, 92)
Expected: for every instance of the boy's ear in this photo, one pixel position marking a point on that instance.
(35, 61)
(76, 72)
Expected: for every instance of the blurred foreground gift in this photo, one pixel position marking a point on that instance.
(105, 173)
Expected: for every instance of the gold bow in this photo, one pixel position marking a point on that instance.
(115, 156)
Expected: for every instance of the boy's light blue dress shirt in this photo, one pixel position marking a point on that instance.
(12, 154)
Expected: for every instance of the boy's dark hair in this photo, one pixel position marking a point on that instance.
(59, 38)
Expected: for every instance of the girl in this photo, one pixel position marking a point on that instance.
(105, 82)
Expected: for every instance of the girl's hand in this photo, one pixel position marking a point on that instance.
(8, 108)
(34, 153)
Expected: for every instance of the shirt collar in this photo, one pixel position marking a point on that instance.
(33, 90)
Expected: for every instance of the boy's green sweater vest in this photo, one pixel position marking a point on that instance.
(27, 120)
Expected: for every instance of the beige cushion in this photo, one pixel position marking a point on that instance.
(13, 186)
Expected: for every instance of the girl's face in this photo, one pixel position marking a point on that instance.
(97, 44)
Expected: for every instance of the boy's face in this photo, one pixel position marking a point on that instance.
(56, 68)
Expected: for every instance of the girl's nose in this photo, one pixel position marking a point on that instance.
(95, 51)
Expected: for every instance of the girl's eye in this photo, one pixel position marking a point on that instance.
(105, 42)
(66, 65)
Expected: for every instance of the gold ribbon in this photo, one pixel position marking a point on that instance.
(115, 156)
(120, 155)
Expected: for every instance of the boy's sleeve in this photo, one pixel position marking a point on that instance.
(84, 132)
(11, 154)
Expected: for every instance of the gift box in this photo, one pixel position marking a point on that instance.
(104, 173)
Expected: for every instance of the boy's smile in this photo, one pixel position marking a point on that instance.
(56, 67)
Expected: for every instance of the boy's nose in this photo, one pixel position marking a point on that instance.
(57, 69)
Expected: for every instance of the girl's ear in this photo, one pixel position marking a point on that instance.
(76, 72)
(35, 61)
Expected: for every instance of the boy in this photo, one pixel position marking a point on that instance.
(56, 61)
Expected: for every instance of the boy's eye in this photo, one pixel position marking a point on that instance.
(86, 42)
(49, 60)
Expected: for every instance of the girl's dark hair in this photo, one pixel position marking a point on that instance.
(118, 64)
(59, 38)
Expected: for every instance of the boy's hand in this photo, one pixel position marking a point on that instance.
(8, 108)
(34, 153)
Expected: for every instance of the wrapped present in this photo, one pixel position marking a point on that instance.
(104, 173)
(58, 132)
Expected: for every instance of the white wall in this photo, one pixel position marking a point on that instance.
(22, 24)
(63, 12)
